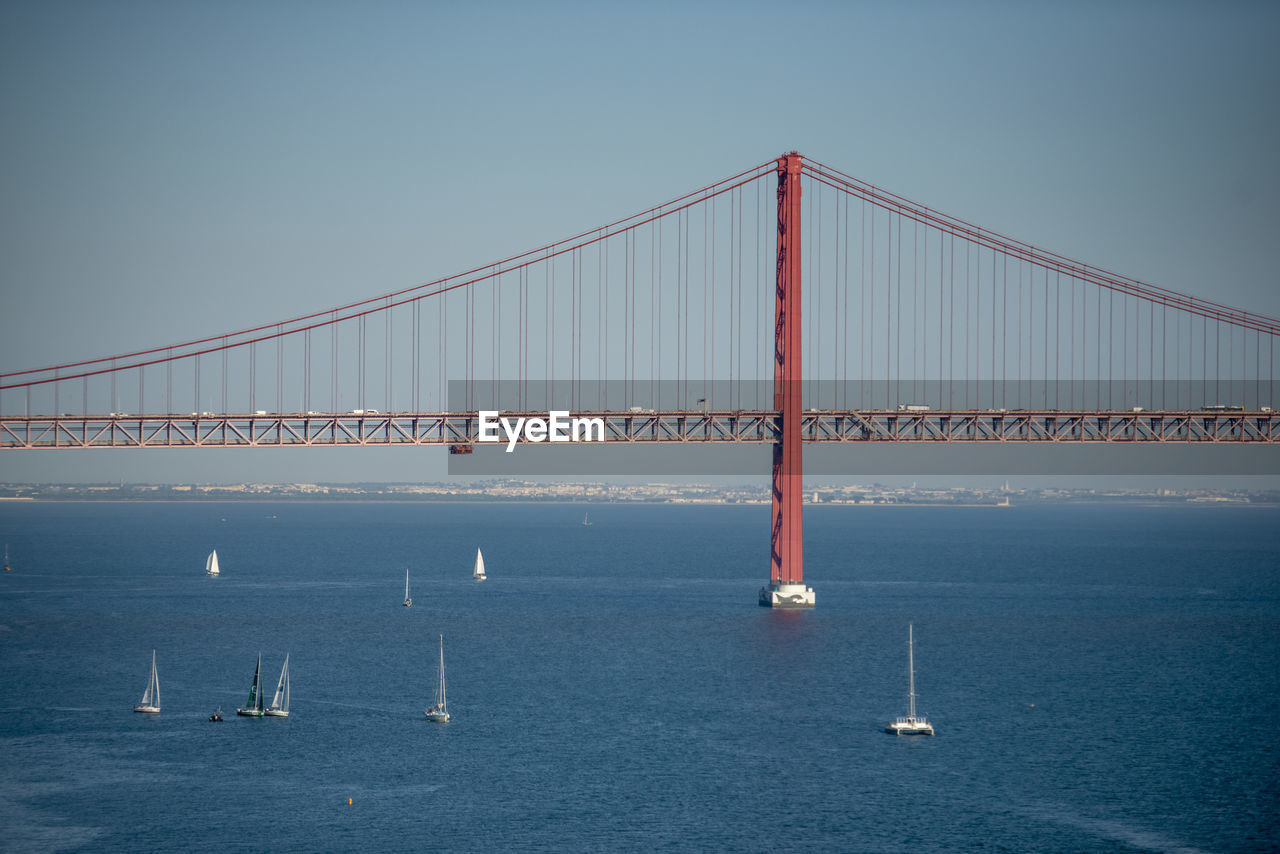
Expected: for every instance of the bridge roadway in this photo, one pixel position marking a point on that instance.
(459, 431)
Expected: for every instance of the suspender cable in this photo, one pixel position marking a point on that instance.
(899, 294)
(871, 318)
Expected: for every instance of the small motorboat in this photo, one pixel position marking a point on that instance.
(216, 716)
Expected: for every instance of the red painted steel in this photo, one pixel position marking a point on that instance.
(337, 429)
(787, 539)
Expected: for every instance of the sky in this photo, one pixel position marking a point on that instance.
(170, 171)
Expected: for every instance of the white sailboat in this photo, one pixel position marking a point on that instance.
(151, 697)
(253, 706)
(408, 603)
(211, 564)
(439, 713)
(912, 724)
(478, 572)
(279, 707)
(586, 522)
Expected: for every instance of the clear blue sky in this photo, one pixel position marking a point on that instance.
(169, 171)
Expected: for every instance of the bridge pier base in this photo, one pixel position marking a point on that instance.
(780, 595)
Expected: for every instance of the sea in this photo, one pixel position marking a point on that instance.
(1101, 677)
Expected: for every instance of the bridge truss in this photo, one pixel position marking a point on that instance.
(460, 431)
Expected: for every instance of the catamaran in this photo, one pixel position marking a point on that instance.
(151, 697)
(478, 572)
(253, 706)
(911, 724)
(211, 564)
(279, 707)
(439, 713)
(408, 603)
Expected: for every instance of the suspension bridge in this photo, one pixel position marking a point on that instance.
(683, 324)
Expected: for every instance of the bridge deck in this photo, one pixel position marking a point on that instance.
(739, 426)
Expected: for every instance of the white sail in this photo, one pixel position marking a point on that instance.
(441, 701)
(280, 702)
(407, 601)
(211, 563)
(151, 697)
(478, 572)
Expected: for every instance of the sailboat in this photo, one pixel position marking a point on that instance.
(211, 564)
(478, 572)
(911, 724)
(586, 523)
(7, 568)
(150, 697)
(408, 603)
(279, 707)
(439, 713)
(253, 706)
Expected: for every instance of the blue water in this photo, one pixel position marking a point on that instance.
(1101, 679)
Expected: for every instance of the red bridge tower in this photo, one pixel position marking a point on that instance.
(786, 588)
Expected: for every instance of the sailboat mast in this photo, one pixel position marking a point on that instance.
(442, 697)
(911, 672)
